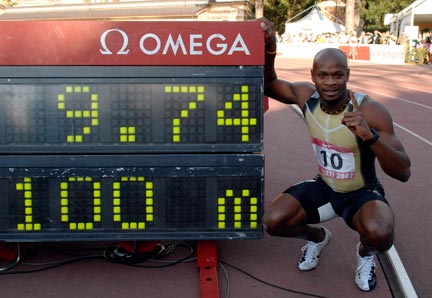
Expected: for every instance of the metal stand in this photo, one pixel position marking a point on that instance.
(207, 262)
(10, 255)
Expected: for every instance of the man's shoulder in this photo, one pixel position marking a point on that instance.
(374, 111)
(361, 98)
(304, 91)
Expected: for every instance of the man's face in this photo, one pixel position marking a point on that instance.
(330, 78)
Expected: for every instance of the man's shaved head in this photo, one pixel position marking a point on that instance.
(331, 53)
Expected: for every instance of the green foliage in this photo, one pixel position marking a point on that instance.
(373, 11)
(279, 11)
(8, 3)
(416, 55)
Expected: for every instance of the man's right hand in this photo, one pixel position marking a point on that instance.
(270, 36)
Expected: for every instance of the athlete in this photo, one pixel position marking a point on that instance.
(348, 131)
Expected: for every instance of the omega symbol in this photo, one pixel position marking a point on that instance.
(122, 51)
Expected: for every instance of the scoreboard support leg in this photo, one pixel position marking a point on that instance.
(7, 252)
(10, 254)
(207, 262)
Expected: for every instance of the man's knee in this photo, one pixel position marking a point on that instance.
(375, 224)
(283, 214)
(378, 235)
(271, 222)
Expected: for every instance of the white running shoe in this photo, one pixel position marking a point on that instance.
(365, 275)
(311, 252)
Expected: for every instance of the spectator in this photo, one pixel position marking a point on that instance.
(278, 39)
(392, 39)
(353, 41)
(377, 38)
(344, 38)
(321, 39)
(403, 40)
(428, 48)
(370, 37)
(363, 38)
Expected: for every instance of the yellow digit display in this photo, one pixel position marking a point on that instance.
(147, 197)
(236, 201)
(25, 188)
(65, 199)
(131, 152)
(219, 197)
(239, 102)
(131, 117)
(127, 134)
(88, 115)
(198, 93)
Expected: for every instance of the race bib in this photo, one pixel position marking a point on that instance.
(333, 161)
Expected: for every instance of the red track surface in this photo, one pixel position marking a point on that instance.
(406, 91)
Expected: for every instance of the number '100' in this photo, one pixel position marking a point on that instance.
(236, 197)
(29, 225)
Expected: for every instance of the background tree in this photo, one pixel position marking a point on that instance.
(352, 15)
(369, 13)
(259, 8)
(8, 3)
(373, 11)
(279, 11)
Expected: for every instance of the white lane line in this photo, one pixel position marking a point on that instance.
(413, 133)
(398, 98)
(401, 274)
(402, 87)
(393, 256)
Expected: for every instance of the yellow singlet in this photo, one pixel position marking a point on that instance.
(344, 162)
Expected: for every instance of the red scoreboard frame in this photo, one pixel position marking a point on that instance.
(200, 175)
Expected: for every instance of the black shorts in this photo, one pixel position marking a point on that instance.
(315, 196)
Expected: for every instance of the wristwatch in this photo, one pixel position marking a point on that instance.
(373, 139)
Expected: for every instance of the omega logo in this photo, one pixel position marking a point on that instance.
(122, 50)
(192, 44)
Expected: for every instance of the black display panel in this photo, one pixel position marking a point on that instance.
(130, 109)
(131, 152)
(79, 197)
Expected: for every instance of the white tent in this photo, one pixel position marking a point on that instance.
(418, 13)
(314, 22)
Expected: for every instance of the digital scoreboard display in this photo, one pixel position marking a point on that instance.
(131, 130)
(121, 197)
(198, 110)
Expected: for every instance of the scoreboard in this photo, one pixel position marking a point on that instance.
(131, 130)
(141, 109)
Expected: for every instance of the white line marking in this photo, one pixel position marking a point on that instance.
(395, 97)
(413, 133)
(401, 274)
